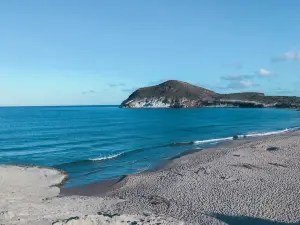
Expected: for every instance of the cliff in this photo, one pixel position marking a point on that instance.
(178, 94)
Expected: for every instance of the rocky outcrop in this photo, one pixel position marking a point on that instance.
(178, 94)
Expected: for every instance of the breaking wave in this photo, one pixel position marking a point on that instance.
(248, 135)
(267, 133)
(213, 140)
(181, 144)
(107, 157)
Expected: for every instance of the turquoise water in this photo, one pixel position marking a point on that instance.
(96, 143)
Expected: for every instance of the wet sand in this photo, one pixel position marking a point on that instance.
(257, 179)
(238, 182)
(103, 188)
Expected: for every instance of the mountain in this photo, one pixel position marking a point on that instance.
(178, 94)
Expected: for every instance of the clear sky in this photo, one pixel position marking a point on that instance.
(55, 52)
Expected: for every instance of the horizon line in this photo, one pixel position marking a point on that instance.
(23, 106)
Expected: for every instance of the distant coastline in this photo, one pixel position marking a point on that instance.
(49, 106)
(178, 94)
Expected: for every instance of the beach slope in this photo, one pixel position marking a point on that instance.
(30, 195)
(240, 182)
(256, 180)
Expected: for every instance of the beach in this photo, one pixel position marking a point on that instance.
(239, 182)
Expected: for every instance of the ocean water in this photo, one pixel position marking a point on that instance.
(101, 142)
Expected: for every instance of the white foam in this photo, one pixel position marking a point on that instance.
(216, 140)
(267, 133)
(213, 140)
(106, 157)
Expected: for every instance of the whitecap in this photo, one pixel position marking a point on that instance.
(242, 136)
(106, 157)
(213, 140)
(267, 133)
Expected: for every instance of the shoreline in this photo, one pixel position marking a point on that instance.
(100, 188)
(64, 173)
(243, 174)
(264, 170)
(249, 181)
(204, 144)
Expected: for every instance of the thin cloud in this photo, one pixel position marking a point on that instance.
(287, 56)
(279, 91)
(236, 84)
(130, 90)
(236, 66)
(265, 73)
(242, 84)
(88, 92)
(116, 84)
(284, 91)
(236, 77)
(156, 82)
(151, 83)
(235, 81)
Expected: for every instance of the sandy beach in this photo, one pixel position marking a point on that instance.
(239, 182)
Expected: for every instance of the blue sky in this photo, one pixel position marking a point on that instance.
(55, 52)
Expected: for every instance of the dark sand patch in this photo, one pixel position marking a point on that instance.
(95, 189)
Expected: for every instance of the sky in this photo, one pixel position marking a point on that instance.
(92, 52)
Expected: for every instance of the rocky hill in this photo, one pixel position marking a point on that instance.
(178, 94)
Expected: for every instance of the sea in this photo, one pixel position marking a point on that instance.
(94, 143)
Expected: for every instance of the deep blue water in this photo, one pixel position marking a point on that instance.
(96, 143)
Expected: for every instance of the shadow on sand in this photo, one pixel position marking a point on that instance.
(244, 220)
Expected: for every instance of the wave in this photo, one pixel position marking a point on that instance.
(179, 144)
(213, 140)
(107, 157)
(90, 160)
(248, 135)
(267, 133)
